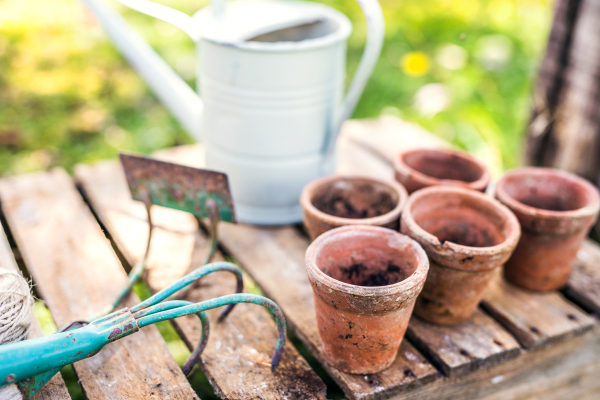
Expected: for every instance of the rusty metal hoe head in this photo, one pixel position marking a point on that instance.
(198, 191)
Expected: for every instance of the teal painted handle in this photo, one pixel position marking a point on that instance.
(26, 359)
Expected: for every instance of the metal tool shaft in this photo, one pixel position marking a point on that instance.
(27, 358)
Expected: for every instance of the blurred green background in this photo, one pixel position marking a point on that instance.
(463, 69)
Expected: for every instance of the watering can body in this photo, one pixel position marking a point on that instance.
(271, 78)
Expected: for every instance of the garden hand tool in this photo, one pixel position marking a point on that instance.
(31, 363)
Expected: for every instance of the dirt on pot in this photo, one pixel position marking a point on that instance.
(467, 236)
(365, 281)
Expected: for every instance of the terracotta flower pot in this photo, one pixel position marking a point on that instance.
(556, 210)
(467, 235)
(334, 201)
(365, 280)
(416, 169)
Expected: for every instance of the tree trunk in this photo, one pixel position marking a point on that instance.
(564, 131)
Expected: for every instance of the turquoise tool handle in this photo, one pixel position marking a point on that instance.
(28, 358)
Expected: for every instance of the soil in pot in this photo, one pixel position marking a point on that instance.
(346, 199)
(335, 201)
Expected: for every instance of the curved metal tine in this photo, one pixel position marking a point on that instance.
(191, 278)
(173, 304)
(219, 302)
(192, 360)
(138, 268)
(214, 216)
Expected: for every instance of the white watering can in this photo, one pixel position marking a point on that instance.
(271, 75)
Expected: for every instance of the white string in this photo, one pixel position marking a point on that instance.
(16, 307)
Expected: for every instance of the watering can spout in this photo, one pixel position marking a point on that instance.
(178, 96)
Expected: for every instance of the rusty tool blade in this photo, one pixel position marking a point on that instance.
(177, 186)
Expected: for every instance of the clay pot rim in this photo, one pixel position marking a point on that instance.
(479, 184)
(432, 240)
(589, 210)
(415, 279)
(308, 206)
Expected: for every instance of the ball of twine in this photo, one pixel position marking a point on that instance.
(16, 307)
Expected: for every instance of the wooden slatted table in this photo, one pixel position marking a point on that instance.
(518, 345)
(77, 274)
(55, 389)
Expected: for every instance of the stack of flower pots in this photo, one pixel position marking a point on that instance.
(367, 277)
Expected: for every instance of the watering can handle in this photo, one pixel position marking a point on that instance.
(375, 36)
(164, 13)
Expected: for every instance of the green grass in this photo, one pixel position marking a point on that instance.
(67, 96)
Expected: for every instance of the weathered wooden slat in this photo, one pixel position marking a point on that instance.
(237, 358)
(584, 284)
(386, 136)
(535, 319)
(566, 371)
(55, 389)
(466, 347)
(357, 159)
(77, 273)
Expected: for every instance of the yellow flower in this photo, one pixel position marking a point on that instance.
(415, 63)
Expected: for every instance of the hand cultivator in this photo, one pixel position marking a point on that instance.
(31, 363)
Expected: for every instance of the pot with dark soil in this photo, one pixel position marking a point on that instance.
(467, 236)
(556, 210)
(365, 281)
(419, 168)
(334, 201)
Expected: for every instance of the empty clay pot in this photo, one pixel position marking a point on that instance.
(556, 210)
(365, 280)
(416, 169)
(334, 201)
(467, 235)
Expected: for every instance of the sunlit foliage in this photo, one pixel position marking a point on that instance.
(462, 68)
